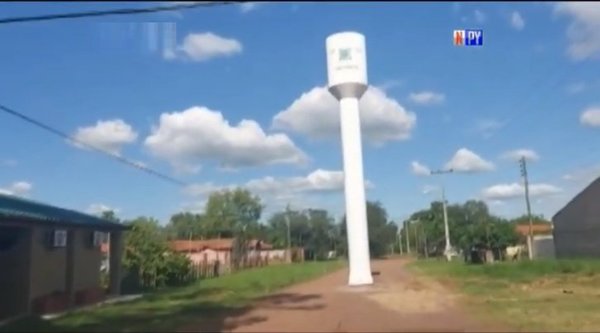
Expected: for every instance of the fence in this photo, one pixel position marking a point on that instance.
(207, 270)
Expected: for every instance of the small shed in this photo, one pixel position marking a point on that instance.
(50, 257)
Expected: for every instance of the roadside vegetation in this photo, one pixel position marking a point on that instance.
(201, 306)
(545, 295)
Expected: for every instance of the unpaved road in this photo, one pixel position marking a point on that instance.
(396, 302)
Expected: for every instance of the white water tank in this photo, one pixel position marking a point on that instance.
(347, 64)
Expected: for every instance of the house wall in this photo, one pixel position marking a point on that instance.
(210, 256)
(274, 254)
(14, 269)
(224, 256)
(48, 266)
(577, 226)
(543, 247)
(87, 261)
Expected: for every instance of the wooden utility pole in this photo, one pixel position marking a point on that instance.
(400, 241)
(289, 234)
(448, 247)
(406, 233)
(523, 164)
(425, 238)
(416, 230)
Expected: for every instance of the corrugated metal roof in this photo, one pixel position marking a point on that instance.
(15, 207)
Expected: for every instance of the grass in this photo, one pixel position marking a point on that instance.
(200, 306)
(550, 295)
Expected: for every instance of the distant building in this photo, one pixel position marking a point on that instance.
(211, 250)
(577, 225)
(543, 244)
(50, 257)
(537, 229)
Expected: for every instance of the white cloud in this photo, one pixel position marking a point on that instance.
(316, 114)
(430, 188)
(185, 138)
(20, 188)
(590, 117)
(516, 190)
(317, 181)
(427, 98)
(516, 155)
(203, 46)
(479, 16)
(99, 208)
(249, 6)
(8, 163)
(467, 161)
(389, 84)
(517, 21)
(195, 207)
(488, 127)
(109, 135)
(583, 32)
(575, 88)
(583, 176)
(419, 169)
(456, 7)
(496, 203)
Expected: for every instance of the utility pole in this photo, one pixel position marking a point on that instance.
(446, 228)
(406, 232)
(523, 164)
(289, 235)
(425, 237)
(400, 241)
(416, 230)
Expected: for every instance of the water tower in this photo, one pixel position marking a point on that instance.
(347, 73)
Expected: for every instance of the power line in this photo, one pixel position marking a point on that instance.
(87, 145)
(126, 11)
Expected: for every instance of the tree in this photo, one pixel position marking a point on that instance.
(228, 211)
(233, 213)
(110, 215)
(312, 229)
(471, 224)
(148, 259)
(185, 226)
(321, 226)
(524, 219)
(382, 232)
(299, 228)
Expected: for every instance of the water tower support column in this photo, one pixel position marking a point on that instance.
(346, 67)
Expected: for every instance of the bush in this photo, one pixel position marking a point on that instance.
(149, 262)
(178, 269)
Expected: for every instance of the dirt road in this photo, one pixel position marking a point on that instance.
(396, 302)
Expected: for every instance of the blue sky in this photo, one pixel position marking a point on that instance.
(234, 95)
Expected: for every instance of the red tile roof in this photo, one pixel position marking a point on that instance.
(537, 229)
(223, 244)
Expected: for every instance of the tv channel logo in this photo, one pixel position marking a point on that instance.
(470, 37)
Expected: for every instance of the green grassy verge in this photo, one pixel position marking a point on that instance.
(203, 306)
(552, 295)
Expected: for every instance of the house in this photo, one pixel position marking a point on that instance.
(50, 257)
(211, 250)
(543, 244)
(537, 229)
(577, 225)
